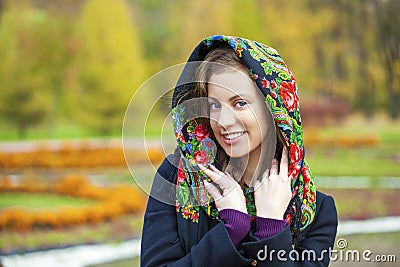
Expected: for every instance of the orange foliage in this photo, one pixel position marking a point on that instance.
(114, 201)
(313, 139)
(16, 219)
(82, 157)
(5, 184)
(27, 185)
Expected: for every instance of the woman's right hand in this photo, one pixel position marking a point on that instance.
(231, 197)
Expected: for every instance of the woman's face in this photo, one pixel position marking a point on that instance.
(238, 114)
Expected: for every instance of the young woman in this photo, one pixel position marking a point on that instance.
(243, 191)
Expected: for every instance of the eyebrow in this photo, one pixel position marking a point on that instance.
(233, 97)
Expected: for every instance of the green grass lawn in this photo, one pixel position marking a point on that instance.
(70, 130)
(60, 130)
(372, 162)
(381, 159)
(34, 201)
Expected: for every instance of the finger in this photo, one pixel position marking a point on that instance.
(204, 169)
(214, 169)
(215, 177)
(225, 180)
(265, 174)
(257, 184)
(212, 190)
(220, 173)
(284, 162)
(274, 167)
(201, 166)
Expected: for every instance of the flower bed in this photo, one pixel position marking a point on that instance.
(313, 139)
(70, 157)
(113, 202)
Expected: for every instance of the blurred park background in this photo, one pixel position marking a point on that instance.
(70, 67)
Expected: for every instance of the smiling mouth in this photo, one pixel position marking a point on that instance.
(233, 135)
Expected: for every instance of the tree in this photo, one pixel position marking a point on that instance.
(109, 65)
(202, 19)
(354, 27)
(388, 44)
(25, 98)
(158, 29)
(298, 31)
(246, 20)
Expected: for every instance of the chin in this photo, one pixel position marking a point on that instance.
(237, 154)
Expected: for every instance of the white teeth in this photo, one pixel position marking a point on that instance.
(233, 135)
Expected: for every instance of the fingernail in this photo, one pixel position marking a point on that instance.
(274, 161)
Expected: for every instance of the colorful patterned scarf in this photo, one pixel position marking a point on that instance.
(279, 87)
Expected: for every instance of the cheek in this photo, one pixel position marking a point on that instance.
(250, 119)
(257, 124)
(263, 128)
(214, 126)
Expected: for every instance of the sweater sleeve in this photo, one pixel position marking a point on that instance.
(266, 227)
(311, 249)
(161, 244)
(236, 223)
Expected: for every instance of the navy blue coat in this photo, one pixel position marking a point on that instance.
(170, 240)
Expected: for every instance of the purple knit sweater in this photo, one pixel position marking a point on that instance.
(237, 224)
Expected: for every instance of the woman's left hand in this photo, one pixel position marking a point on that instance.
(273, 193)
(231, 197)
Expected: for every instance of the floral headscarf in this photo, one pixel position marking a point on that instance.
(279, 87)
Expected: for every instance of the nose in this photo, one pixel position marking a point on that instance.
(226, 117)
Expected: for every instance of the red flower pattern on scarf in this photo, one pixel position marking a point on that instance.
(295, 152)
(296, 155)
(265, 83)
(289, 96)
(201, 157)
(181, 175)
(200, 132)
